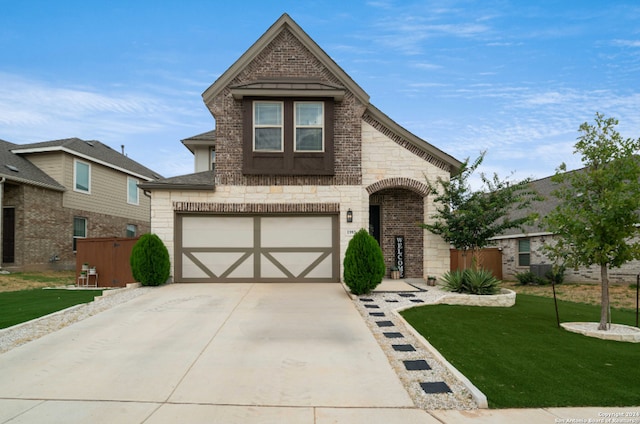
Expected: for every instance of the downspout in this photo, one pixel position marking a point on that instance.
(148, 194)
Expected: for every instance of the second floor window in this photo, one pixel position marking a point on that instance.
(132, 191)
(309, 121)
(267, 126)
(82, 177)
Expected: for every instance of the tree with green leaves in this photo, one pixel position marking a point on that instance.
(469, 219)
(597, 222)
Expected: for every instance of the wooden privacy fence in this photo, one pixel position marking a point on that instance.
(489, 259)
(110, 256)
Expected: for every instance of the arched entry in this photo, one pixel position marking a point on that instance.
(396, 207)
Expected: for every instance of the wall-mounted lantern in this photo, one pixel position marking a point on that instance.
(349, 215)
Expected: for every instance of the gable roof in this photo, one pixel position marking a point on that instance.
(18, 169)
(91, 150)
(205, 139)
(300, 87)
(285, 22)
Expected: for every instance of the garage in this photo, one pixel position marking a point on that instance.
(256, 248)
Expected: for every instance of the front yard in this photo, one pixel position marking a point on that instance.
(519, 357)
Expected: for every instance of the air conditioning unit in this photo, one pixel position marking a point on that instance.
(540, 270)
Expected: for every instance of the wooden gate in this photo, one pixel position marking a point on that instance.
(489, 259)
(110, 256)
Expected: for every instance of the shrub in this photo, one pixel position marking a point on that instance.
(528, 278)
(556, 275)
(454, 281)
(149, 261)
(481, 282)
(471, 281)
(363, 263)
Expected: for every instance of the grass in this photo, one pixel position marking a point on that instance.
(31, 280)
(519, 358)
(25, 305)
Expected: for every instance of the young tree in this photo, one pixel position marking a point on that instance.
(597, 218)
(468, 219)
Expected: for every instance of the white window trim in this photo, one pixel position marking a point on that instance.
(296, 126)
(281, 126)
(137, 202)
(75, 176)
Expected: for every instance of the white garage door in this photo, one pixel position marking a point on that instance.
(273, 248)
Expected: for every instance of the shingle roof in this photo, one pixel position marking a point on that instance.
(90, 149)
(18, 169)
(198, 181)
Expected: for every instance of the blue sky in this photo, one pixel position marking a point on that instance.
(515, 78)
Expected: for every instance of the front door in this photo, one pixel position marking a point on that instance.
(8, 235)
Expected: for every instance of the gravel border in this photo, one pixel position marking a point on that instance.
(20, 334)
(461, 397)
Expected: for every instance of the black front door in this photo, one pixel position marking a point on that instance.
(8, 235)
(374, 222)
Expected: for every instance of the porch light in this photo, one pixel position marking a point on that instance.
(349, 215)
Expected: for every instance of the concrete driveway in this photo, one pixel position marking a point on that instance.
(240, 353)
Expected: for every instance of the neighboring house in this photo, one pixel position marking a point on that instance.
(57, 191)
(298, 162)
(524, 250)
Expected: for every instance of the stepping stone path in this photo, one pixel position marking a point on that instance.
(427, 387)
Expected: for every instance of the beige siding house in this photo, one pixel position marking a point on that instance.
(298, 162)
(55, 192)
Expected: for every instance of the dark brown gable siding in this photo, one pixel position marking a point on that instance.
(286, 57)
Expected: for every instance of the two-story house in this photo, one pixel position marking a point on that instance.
(54, 192)
(298, 162)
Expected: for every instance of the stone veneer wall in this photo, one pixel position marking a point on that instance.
(625, 274)
(383, 159)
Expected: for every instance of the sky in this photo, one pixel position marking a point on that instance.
(513, 78)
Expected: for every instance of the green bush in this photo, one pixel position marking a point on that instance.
(149, 261)
(471, 281)
(556, 275)
(529, 278)
(454, 281)
(363, 263)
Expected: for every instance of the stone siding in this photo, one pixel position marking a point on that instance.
(625, 274)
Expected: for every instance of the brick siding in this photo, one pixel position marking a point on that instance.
(400, 211)
(44, 229)
(286, 57)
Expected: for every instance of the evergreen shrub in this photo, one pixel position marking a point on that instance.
(149, 260)
(363, 263)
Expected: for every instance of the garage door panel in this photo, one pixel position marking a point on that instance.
(215, 248)
(217, 232)
(296, 232)
(299, 262)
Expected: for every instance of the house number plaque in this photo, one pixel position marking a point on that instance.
(400, 254)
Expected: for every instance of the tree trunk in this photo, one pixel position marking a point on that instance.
(605, 318)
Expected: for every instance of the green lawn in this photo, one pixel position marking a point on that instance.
(25, 305)
(519, 358)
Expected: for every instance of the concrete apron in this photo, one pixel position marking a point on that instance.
(297, 353)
